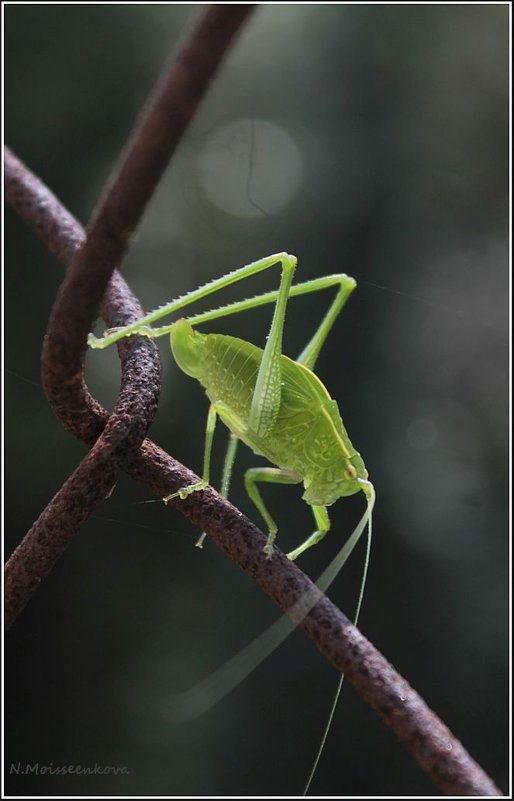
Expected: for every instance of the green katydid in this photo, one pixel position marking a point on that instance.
(281, 410)
(276, 406)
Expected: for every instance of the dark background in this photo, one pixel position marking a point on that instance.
(371, 139)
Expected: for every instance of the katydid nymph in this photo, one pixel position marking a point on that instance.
(281, 410)
(278, 407)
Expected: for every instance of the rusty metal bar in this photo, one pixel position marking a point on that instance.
(162, 123)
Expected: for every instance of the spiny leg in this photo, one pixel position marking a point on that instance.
(322, 527)
(266, 395)
(200, 485)
(309, 354)
(271, 475)
(143, 326)
(226, 475)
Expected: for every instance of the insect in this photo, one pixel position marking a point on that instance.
(278, 407)
(281, 410)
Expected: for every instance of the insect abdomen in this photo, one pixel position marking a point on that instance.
(230, 367)
(229, 371)
(302, 438)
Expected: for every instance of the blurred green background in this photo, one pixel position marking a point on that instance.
(371, 139)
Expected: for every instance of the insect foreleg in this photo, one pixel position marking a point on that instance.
(323, 526)
(200, 485)
(272, 475)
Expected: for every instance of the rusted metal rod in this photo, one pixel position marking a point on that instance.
(93, 258)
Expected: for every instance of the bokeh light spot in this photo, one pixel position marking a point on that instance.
(250, 168)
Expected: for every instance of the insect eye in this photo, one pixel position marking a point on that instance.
(350, 472)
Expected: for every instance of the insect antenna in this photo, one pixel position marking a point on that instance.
(207, 692)
(369, 511)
